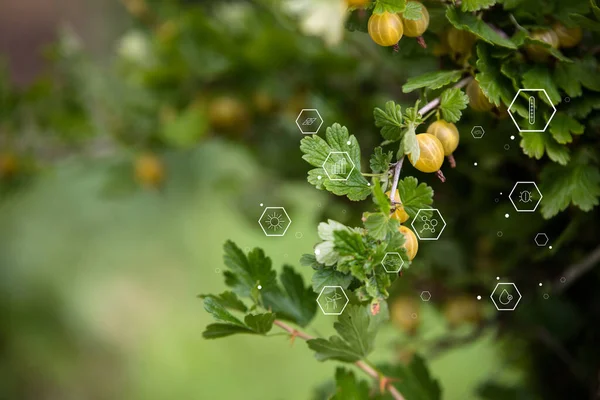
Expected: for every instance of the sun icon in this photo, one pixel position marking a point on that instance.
(274, 221)
(525, 196)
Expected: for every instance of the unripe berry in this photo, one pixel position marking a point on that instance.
(447, 134)
(415, 28)
(567, 37)
(399, 213)
(149, 170)
(537, 52)
(411, 244)
(385, 29)
(460, 41)
(431, 155)
(477, 100)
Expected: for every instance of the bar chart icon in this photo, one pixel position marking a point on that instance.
(338, 166)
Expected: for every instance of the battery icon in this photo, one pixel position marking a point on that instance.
(531, 110)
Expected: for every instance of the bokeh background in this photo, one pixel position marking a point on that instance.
(102, 255)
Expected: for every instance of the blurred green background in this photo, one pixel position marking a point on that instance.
(101, 263)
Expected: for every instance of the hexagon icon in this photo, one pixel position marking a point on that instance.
(309, 121)
(425, 295)
(392, 262)
(332, 300)
(338, 166)
(274, 221)
(529, 108)
(477, 132)
(525, 196)
(428, 224)
(541, 239)
(506, 296)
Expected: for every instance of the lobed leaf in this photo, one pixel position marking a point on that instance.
(563, 127)
(389, 120)
(452, 102)
(380, 161)
(475, 5)
(413, 11)
(431, 80)
(414, 196)
(471, 23)
(391, 6)
(348, 387)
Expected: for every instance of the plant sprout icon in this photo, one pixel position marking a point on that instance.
(506, 295)
(274, 221)
(525, 196)
(332, 300)
(429, 224)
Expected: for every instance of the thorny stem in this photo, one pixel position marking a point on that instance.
(397, 169)
(368, 369)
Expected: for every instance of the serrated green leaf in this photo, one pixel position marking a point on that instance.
(325, 230)
(475, 5)
(353, 326)
(391, 6)
(452, 102)
(495, 86)
(380, 198)
(540, 77)
(219, 312)
(380, 161)
(471, 23)
(260, 323)
(578, 184)
(326, 254)
(377, 225)
(535, 144)
(330, 277)
(228, 300)
(333, 348)
(410, 144)
(521, 39)
(348, 243)
(310, 260)
(581, 107)
(348, 387)
(389, 120)
(563, 126)
(414, 196)
(215, 331)
(414, 380)
(431, 80)
(413, 11)
(246, 272)
(565, 77)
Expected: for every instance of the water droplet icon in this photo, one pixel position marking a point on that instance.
(505, 297)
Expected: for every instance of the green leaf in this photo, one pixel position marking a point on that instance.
(581, 107)
(410, 144)
(260, 323)
(219, 312)
(347, 387)
(475, 5)
(325, 230)
(185, 129)
(296, 302)
(585, 22)
(539, 77)
(414, 380)
(245, 273)
(476, 26)
(380, 198)
(390, 121)
(431, 80)
(578, 184)
(565, 77)
(330, 277)
(215, 331)
(495, 86)
(414, 196)
(380, 161)
(535, 144)
(595, 8)
(521, 39)
(377, 225)
(391, 6)
(349, 243)
(563, 127)
(316, 150)
(452, 102)
(413, 11)
(228, 300)
(309, 260)
(333, 348)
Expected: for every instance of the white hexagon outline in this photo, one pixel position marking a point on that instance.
(349, 159)
(480, 127)
(494, 301)
(345, 304)
(263, 214)
(401, 264)
(536, 188)
(423, 292)
(416, 231)
(319, 127)
(515, 99)
(544, 235)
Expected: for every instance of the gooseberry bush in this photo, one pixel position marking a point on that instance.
(488, 50)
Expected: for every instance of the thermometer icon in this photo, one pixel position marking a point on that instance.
(531, 110)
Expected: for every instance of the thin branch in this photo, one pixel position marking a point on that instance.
(436, 102)
(575, 271)
(397, 169)
(372, 372)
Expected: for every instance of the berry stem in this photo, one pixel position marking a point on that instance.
(421, 41)
(452, 161)
(440, 175)
(397, 169)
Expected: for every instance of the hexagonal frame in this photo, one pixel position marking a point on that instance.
(428, 295)
(494, 301)
(545, 242)
(320, 118)
(515, 99)
(345, 304)
(473, 130)
(349, 159)
(274, 208)
(416, 231)
(536, 188)
(401, 264)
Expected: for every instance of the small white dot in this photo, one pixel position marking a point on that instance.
(348, 143)
(319, 177)
(317, 251)
(550, 247)
(478, 297)
(475, 164)
(368, 184)
(512, 138)
(261, 204)
(497, 278)
(505, 215)
(500, 193)
(540, 283)
(259, 287)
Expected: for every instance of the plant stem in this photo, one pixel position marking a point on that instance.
(368, 369)
(397, 169)
(436, 102)
(377, 175)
